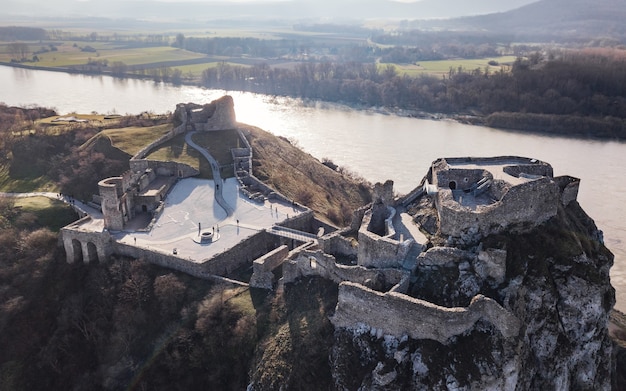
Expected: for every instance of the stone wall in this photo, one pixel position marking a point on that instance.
(88, 246)
(380, 251)
(523, 206)
(399, 315)
(317, 263)
(569, 187)
(217, 115)
(339, 245)
(162, 168)
(488, 263)
(262, 276)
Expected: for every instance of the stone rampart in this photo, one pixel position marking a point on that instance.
(216, 115)
(339, 245)
(143, 152)
(164, 168)
(569, 187)
(86, 246)
(380, 251)
(221, 264)
(317, 263)
(262, 276)
(523, 206)
(400, 315)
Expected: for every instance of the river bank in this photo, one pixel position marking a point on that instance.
(574, 126)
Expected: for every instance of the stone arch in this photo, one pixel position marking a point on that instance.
(452, 185)
(77, 251)
(92, 253)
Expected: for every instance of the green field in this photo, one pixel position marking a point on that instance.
(9, 184)
(439, 68)
(68, 54)
(131, 140)
(49, 213)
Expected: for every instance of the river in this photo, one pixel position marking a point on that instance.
(375, 146)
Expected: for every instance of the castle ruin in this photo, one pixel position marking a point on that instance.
(378, 261)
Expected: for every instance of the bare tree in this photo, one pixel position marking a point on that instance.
(18, 50)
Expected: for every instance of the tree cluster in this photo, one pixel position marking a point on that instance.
(565, 84)
(20, 33)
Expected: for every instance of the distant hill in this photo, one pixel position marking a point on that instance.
(551, 19)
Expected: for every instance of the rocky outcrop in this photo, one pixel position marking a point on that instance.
(556, 284)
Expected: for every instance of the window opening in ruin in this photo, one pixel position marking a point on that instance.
(452, 185)
(144, 208)
(313, 263)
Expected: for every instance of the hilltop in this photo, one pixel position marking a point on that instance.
(551, 20)
(487, 275)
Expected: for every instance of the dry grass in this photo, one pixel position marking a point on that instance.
(131, 140)
(300, 176)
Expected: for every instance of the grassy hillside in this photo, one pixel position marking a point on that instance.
(300, 176)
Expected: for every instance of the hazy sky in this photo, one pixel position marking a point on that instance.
(278, 9)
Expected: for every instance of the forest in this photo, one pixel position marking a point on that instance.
(559, 88)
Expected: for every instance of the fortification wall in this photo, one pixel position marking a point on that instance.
(528, 204)
(569, 187)
(339, 245)
(85, 246)
(222, 264)
(145, 151)
(400, 315)
(163, 168)
(317, 263)
(461, 178)
(380, 251)
(262, 276)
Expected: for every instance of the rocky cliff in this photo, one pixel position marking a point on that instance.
(556, 284)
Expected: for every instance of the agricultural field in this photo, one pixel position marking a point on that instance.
(73, 53)
(440, 68)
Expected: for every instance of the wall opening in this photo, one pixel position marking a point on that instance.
(77, 249)
(144, 208)
(92, 253)
(452, 185)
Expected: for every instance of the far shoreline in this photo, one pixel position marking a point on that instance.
(464, 118)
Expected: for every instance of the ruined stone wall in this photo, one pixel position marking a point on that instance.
(538, 169)
(400, 315)
(145, 151)
(301, 222)
(569, 187)
(163, 168)
(262, 276)
(82, 245)
(244, 253)
(380, 251)
(377, 251)
(528, 204)
(217, 115)
(460, 178)
(221, 264)
(317, 263)
(338, 245)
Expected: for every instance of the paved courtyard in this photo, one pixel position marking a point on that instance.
(191, 204)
